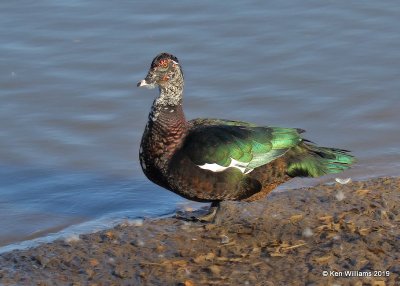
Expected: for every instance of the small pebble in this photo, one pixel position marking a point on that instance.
(224, 239)
(133, 222)
(210, 256)
(137, 242)
(93, 262)
(188, 283)
(109, 235)
(340, 196)
(72, 238)
(214, 269)
(307, 232)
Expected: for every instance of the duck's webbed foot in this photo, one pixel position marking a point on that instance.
(208, 217)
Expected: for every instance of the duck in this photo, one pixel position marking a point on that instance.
(215, 160)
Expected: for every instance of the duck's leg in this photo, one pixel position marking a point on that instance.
(212, 212)
(208, 217)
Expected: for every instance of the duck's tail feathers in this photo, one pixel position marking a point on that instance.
(309, 160)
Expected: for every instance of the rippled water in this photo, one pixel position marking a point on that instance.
(71, 115)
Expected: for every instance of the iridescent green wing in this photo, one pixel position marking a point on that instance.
(216, 146)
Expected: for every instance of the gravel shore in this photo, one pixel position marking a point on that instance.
(325, 235)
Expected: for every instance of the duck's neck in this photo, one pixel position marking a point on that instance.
(166, 116)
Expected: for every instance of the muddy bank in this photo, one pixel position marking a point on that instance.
(325, 235)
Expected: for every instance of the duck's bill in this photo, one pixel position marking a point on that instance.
(144, 83)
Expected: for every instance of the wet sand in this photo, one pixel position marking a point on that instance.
(288, 238)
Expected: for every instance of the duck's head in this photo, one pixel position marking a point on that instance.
(164, 71)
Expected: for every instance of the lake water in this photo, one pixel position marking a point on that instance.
(72, 118)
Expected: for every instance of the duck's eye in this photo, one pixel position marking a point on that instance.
(163, 63)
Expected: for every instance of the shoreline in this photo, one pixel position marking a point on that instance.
(351, 231)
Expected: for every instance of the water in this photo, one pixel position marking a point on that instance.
(72, 117)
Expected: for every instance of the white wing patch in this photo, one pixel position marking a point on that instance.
(218, 168)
